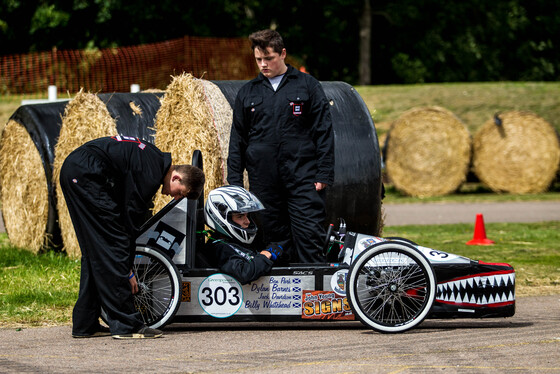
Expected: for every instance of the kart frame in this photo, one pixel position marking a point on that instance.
(389, 284)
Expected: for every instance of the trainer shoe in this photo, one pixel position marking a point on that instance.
(144, 333)
(101, 331)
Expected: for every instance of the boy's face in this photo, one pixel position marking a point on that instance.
(173, 186)
(270, 63)
(242, 219)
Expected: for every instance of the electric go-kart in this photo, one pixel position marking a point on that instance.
(389, 284)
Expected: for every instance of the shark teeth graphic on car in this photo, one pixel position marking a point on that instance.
(485, 289)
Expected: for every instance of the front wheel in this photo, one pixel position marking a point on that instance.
(391, 287)
(159, 295)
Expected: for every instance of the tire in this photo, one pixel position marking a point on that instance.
(159, 283)
(399, 239)
(391, 287)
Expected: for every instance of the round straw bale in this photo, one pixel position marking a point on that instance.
(32, 131)
(516, 152)
(185, 123)
(222, 115)
(427, 152)
(85, 118)
(24, 189)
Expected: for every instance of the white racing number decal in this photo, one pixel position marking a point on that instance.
(220, 295)
(437, 256)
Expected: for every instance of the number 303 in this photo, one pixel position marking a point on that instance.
(220, 296)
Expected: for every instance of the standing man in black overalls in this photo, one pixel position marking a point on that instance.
(108, 185)
(282, 135)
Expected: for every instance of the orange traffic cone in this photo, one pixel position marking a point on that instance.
(479, 237)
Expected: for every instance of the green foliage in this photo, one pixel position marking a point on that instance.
(47, 17)
(409, 70)
(412, 41)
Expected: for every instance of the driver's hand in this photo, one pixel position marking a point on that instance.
(275, 251)
(133, 284)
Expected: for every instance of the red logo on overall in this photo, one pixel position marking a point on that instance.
(297, 109)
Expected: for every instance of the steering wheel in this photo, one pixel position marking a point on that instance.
(328, 241)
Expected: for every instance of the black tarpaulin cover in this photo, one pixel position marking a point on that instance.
(42, 122)
(134, 113)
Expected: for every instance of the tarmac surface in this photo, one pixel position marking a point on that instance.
(528, 342)
(442, 213)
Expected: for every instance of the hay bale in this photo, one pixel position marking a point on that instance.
(222, 115)
(185, 122)
(24, 189)
(516, 152)
(27, 154)
(85, 118)
(427, 152)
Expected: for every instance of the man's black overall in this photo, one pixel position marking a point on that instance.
(108, 185)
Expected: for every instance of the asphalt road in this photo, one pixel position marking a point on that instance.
(528, 342)
(442, 213)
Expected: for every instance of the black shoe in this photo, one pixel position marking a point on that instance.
(143, 333)
(101, 331)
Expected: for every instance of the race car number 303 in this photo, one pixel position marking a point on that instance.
(220, 295)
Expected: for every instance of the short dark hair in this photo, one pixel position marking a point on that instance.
(267, 38)
(193, 178)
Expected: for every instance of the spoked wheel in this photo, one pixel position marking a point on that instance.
(391, 287)
(159, 295)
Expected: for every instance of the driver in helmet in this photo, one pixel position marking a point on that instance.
(227, 213)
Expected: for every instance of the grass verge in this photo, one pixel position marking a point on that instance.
(36, 290)
(40, 290)
(472, 192)
(473, 103)
(531, 248)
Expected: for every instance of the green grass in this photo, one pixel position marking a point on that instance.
(36, 290)
(471, 193)
(40, 290)
(532, 249)
(473, 103)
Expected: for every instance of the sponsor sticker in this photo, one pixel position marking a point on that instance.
(220, 295)
(338, 282)
(186, 292)
(369, 241)
(325, 305)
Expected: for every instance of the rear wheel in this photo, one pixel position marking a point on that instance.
(391, 287)
(159, 295)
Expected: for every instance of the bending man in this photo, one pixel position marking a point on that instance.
(108, 185)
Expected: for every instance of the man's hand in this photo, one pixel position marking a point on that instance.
(319, 186)
(133, 283)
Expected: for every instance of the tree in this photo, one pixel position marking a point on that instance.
(412, 40)
(365, 45)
